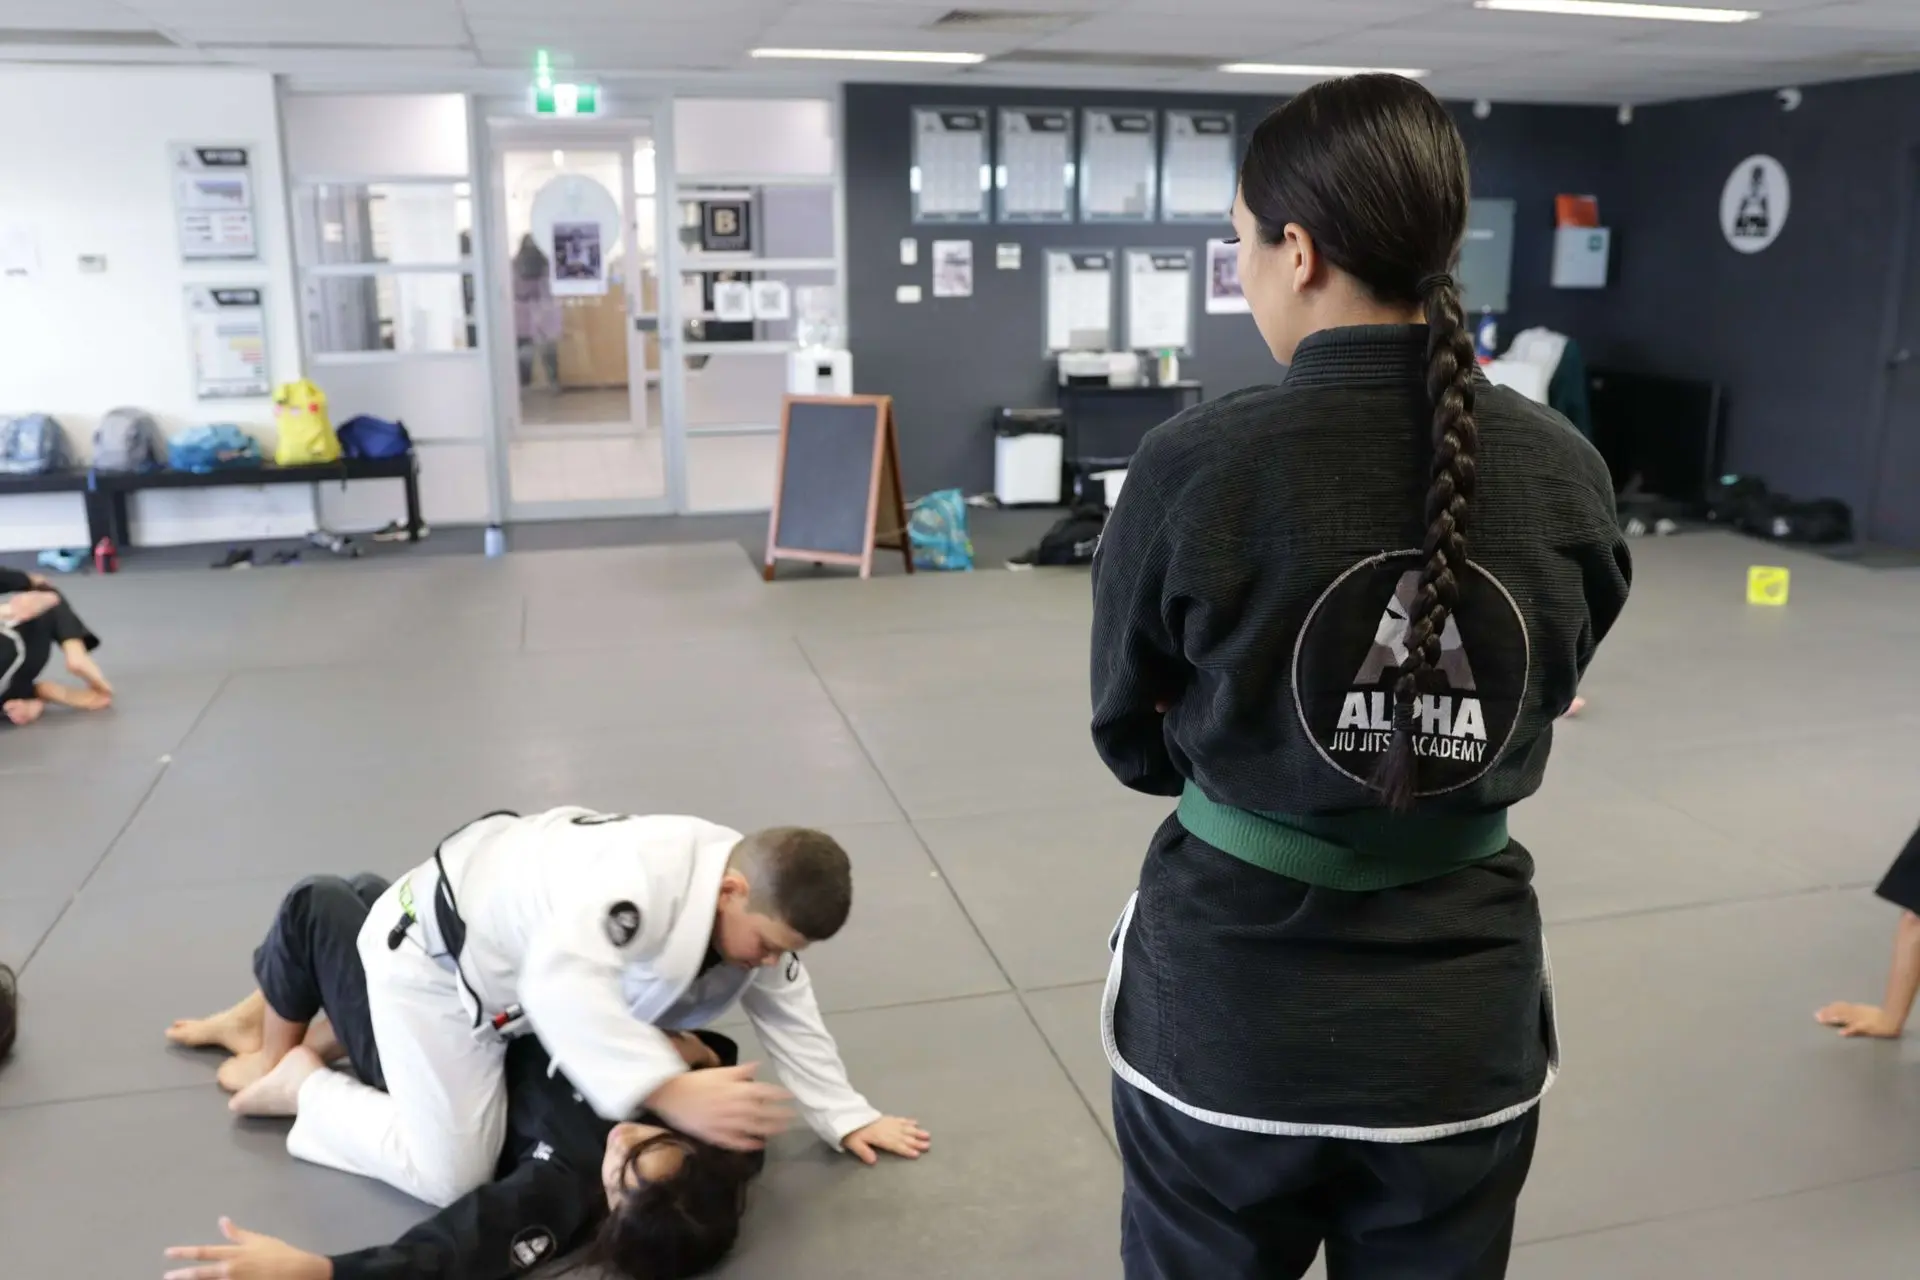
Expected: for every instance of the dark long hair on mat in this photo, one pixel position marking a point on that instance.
(1375, 171)
(681, 1226)
(9, 1010)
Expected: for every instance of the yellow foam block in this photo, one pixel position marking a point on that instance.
(1767, 585)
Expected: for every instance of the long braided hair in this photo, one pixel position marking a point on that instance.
(1373, 168)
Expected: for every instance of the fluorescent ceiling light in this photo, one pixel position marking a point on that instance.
(1313, 72)
(1620, 9)
(873, 55)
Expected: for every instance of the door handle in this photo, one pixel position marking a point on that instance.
(646, 324)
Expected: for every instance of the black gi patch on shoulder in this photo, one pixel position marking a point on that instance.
(793, 966)
(532, 1247)
(599, 819)
(623, 923)
(1348, 656)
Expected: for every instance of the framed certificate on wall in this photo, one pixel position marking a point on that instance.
(1198, 167)
(1119, 165)
(1034, 180)
(950, 164)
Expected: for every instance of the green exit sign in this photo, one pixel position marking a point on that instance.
(563, 99)
(560, 98)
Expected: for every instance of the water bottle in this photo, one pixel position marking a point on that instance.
(496, 542)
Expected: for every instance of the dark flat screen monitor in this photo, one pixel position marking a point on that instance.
(1660, 436)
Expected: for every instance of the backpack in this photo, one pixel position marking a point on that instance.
(33, 444)
(370, 437)
(1823, 521)
(221, 447)
(306, 434)
(1072, 539)
(128, 440)
(937, 532)
(1738, 500)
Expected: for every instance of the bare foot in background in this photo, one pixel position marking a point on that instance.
(237, 1030)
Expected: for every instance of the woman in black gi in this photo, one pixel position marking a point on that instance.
(1337, 617)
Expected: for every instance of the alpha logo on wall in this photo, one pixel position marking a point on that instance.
(1352, 648)
(1754, 204)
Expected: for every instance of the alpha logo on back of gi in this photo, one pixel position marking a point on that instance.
(1351, 649)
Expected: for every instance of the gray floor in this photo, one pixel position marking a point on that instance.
(1705, 842)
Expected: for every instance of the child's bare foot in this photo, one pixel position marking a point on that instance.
(81, 663)
(240, 1071)
(24, 711)
(89, 700)
(237, 1029)
(326, 1046)
(277, 1093)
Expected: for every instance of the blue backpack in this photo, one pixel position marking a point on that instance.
(33, 444)
(938, 532)
(370, 437)
(220, 447)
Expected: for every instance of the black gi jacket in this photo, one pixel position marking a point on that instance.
(1256, 576)
(545, 1201)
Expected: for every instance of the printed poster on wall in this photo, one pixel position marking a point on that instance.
(953, 268)
(227, 333)
(213, 203)
(1753, 204)
(577, 221)
(1223, 279)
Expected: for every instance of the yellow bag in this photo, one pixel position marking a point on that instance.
(306, 434)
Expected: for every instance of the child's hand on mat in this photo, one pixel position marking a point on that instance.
(903, 1138)
(725, 1106)
(251, 1256)
(1852, 1020)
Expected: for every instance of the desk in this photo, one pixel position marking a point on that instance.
(1105, 424)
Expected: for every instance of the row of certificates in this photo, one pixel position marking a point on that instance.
(1058, 164)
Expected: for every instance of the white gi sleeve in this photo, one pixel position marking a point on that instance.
(570, 987)
(780, 1004)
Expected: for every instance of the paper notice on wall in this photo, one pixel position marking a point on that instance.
(953, 268)
(1223, 279)
(227, 331)
(19, 252)
(213, 203)
(1007, 257)
(1159, 299)
(1079, 299)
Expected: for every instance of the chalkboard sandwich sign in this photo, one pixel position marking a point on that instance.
(838, 496)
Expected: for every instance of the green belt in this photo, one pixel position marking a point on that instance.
(1369, 849)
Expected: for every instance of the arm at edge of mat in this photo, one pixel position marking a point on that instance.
(1606, 564)
(473, 1238)
(1136, 661)
(570, 986)
(787, 1019)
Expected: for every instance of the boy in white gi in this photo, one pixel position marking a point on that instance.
(602, 933)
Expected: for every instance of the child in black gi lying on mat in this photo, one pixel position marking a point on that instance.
(654, 1203)
(1884, 1021)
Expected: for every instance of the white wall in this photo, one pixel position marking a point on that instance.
(84, 166)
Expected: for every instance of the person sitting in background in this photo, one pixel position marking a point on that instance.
(1886, 1020)
(33, 619)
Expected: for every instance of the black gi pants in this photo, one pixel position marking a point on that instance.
(310, 962)
(1207, 1203)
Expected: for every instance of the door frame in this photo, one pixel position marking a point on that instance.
(1898, 312)
(503, 125)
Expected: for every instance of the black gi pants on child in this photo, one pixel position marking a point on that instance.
(310, 961)
(1204, 1202)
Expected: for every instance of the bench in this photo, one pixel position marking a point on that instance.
(106, 491)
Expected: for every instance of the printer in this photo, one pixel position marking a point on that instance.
(1099, 368)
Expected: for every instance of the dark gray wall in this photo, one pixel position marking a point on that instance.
(950, 362)
(1795, 333)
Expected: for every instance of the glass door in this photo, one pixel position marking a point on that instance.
(577, 268)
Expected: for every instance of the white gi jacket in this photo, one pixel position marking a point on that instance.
(597, 925)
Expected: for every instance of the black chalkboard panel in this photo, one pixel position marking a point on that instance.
(839, 482)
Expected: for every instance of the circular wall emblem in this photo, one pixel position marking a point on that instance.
(1754, 204)
(1351, 648)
